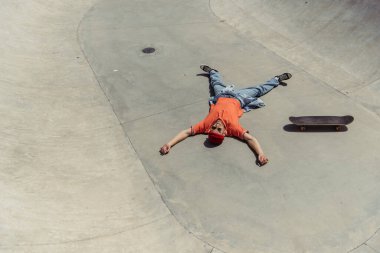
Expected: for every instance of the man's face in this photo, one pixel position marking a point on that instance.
(218, 127)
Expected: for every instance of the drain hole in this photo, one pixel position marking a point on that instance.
(149, 50)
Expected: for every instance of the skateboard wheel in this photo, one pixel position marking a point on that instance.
(303, 128)
(338, 128)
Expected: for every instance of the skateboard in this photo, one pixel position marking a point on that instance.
(337, 121)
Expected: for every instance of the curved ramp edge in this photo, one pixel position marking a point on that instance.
(70, 179)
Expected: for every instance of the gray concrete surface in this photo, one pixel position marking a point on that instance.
(84, 113)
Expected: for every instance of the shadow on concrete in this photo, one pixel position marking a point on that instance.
(314, 129)
(208, 144)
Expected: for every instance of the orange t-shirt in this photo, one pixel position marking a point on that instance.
(227, 110)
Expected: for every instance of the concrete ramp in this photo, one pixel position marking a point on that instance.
(85, 110)
(335, 41)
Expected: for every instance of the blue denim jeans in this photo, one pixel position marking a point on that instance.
(248, 97)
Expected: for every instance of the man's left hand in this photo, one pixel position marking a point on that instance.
(262, 159)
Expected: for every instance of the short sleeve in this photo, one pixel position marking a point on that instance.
(238, 131)
(198, 128)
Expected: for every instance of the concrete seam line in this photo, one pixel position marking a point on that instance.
(369, 246)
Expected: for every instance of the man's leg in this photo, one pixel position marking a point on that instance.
(215, 79)
(261, 90)
(216, 82)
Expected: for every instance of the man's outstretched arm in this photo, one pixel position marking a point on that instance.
(178, 138)
(255, 145)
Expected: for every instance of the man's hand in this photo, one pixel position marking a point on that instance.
(262, 159)
(254, 144)
(179, 137)
(165, 149)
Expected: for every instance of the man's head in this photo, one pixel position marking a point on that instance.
(217, 132)
(215, 138)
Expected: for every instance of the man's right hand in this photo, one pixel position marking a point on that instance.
(165, 149)
(179, 137)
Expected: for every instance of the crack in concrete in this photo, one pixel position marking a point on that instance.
(360, 87)
(161, 112)
(89, 238)
(365, 242)
(375, 250)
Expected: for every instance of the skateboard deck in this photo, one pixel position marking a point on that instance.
(337, 121)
